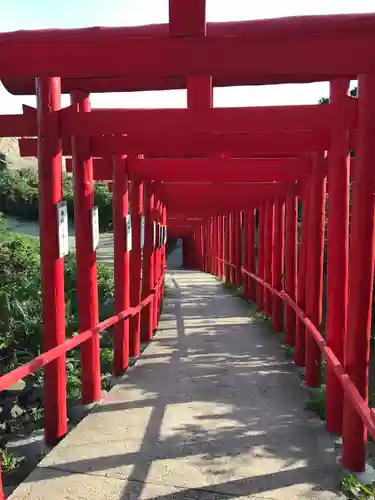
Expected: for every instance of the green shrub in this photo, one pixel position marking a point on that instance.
(20, 298)
(19, 196)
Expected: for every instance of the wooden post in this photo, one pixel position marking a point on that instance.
(237, 248)
(135, 264)
(299, 353)
(148, 266)
(228, 246)
(260, 266)
(291, 267)
(361, 275)
(48, 94)
(314, 269)
(87, 286)
(122, 261)
(337, 250)
(278, 264)
(268, 236)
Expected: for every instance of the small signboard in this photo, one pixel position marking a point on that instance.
(165, 235)
(128, 232)
(154, 234)
(160, 235)
(142, 231)
(95, 227)
(62, 224)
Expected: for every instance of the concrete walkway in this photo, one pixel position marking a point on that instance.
(211, 411)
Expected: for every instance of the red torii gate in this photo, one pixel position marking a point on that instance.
(290, 53)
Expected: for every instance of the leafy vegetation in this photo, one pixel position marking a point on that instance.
(21, 305)
(354, 490)
(19, 195)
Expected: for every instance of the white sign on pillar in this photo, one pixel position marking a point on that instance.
(62, 226)
(142, 231)
(160, 236)
(95, 227)
(154, 234)
(165, 235)
(128, 232)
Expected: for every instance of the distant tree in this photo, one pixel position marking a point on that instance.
(325, 100)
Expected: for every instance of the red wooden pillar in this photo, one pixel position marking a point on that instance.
(337, 250)
(260, 266)
(268, 236)
(228, 246)
(52, 266)
(157, 222)
(245, 278)
(148, 266)
(361, 275)
(48, 94)
(278, 264)
(291, 267)
(314, 269)
(221, 254)
(87, 287)
(299, 354)
(122, 260)
(222, 247)
(135, 264)
(164, 247)
(204, 247)
(237, 248)
(214, 247)
(249, 253)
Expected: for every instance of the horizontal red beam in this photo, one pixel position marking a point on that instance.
(207, 169)
(215, 120)
(324, 46)
(265, 28)
(18, 125)
(202, 145)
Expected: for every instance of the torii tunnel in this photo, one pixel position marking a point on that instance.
(245, 188)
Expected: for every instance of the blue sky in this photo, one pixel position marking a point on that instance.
(42, 14)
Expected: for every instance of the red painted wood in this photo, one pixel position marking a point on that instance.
(121, 263)
(19, 126)
(238, 145)
(187, 17)
(314, 271)
(228, 247)
(249, 252)
(136, 202)
(361, 277)
(237, 248)
(345, 50)
(291, 257)
(268, 237)
(337, 253)
(260, 257)
(52, 267)
(300, 346)
(87, 286)
(293, 29)
(278, 264)
(209, 169)
(157, 257)
(252, 120)
(148, 265)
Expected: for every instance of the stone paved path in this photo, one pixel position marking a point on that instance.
(211, 411)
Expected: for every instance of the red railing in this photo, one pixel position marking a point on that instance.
(352, 395)
(36, 364)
